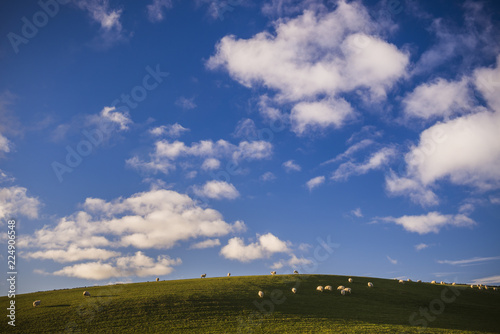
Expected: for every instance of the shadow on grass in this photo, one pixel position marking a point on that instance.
(61, 305)
(104, 296)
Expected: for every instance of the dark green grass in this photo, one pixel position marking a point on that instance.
(231, 304)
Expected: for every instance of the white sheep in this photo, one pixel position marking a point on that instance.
(419, 281)
(401, 281)
(409, 280)
(273, 272)
(157, 279)
(319, 288)
(494, 289)
(328, 287)
(294, 290)
(295, 272)
(480, 287)
(340, 287)
(472, 286)
(370, 284)
(261, 294)
(441, 282)
(203, 275)
(453, 283)
(433, 282)
(349, 280)
(486, 287)
(36, 303)
(228, 274)
(342, 292)
(86, 293)
(347, 290)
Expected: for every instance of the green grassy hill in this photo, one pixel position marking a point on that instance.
(231, 304)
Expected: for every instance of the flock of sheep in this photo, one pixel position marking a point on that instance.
(343, 290)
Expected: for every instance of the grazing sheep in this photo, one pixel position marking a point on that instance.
(472, 286)
(273, 272)
(295, 272)
(486, 287)
(480, 287)
(370, 284)
(401, 281)
(494, 289)
(157, 279)
(36, 303)
(204, 275)
(294, 290)
(328, 287)
(340, 287)
(433, 282)
(347, 290)
(441, 282)
(349, 280)
(319, 288)
(342, 292)
(228, 274)
(86, 293)
(261, 294)
(419, 281)
(409, 280)
(453, 283)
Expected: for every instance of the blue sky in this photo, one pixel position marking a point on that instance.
(174, 138)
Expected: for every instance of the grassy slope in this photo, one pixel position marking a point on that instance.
(217, 305)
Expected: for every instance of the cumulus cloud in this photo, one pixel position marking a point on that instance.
(267, 176)
(439, 98)
(4, 144)
(217, 190)
(210, 164)
(156, 10)
(431, 222)
(136, 265)
(309, 60)
(293, 262)
(375, 161)
(414, 189)
(265, 246)
(421, 246)
(315, 182)
(291, 166)
(206, 244)
(112, 118)
(14, 202)
(157, 218)
(72, 254)
(170, 130)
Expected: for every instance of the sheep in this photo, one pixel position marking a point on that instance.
(453, 283)
(401, 281)
(347, 290)
(203, 275)
(480, 287)
(273, 272)
(433, 282)
(494, 289)
(441, 283)
(86, 293)
(342, 292)
(419, 281)
(472, 286)
(228, 274)
(328, 287)
(486, 287)
(294, 290)
(370, 284)
(340, 287)
(409, 280)
(295, 272)
(319, 288)
(261, 294)
(349, 280)
(36, 303)
(157, 279)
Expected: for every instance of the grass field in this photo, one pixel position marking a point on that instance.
(231, 304)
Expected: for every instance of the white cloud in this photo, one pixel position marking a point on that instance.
(494, 200)
(4, 177)
(206, 244)
(185, 103)
(313, 58)
(487, 280)
(267, 176)
(14, 201)
(315, 182)
(170, 130)
(439, 98)
(487, 81)
(153, 166)
(217, 190)
(156, 9)
(72, 254)
(254, 150)
(466, 262)
(4, 144)
(111, 117)
(417, 192)
(392, 260)
(136, 265)
(375, 161)
(291, 166)
(431, 222)
(293, 262)
(421, 246)
(357, 212)
(157, 218)
(351, 150)
(245, 129)
(210, 164)
(265, 246)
